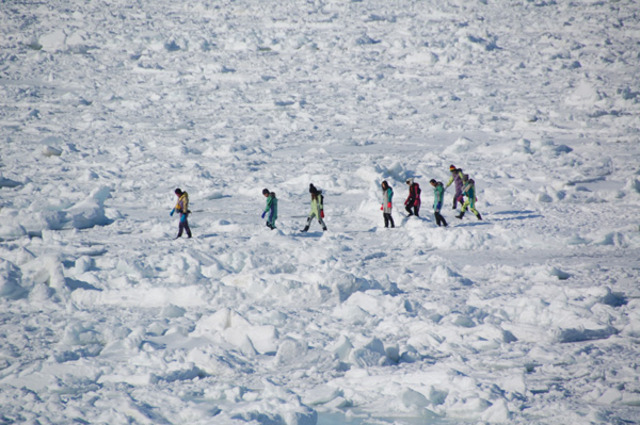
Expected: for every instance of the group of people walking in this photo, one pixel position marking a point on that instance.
(317, 208)
(464, 188)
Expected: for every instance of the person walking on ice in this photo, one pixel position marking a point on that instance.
(387, 198)
(412, 204)
(271, 208)
(317, 208)
(183, 208)
(469, 190)
(456, 176)
(438, 197)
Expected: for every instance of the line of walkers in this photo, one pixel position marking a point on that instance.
(464, 187)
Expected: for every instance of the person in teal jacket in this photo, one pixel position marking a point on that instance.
(271, 209)
(438, 196)
(469, 190)
(317, 208)
(387, 198)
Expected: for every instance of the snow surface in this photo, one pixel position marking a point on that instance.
(531, 316)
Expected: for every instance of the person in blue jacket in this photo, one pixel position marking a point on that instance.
(387, 199)
(271, 208)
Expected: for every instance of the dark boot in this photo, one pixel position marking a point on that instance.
(479, 216)
(460, 215)
(440, 221)
(305, 229)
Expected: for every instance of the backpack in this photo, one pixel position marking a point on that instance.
(321, 199)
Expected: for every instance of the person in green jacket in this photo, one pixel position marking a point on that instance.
(271, 208)
(469, 190)
(317, 208)
(438, 196)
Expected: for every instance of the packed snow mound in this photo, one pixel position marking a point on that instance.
(460, 146)
(10, 281)
(84, 214)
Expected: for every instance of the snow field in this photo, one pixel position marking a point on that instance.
(529, 316)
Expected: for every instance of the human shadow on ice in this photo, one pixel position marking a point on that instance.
(517, 215)
(471, 224)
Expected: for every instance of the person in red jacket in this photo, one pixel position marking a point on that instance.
(412, 204)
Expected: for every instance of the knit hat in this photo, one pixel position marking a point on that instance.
(265, 191)
(452, 167)
(178, 191)
(433, 181)
(312, 188)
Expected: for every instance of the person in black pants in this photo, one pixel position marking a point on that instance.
(412, 204)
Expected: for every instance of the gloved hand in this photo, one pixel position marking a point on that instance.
(321, 213)
(172, 211)
(381, 207)
(389, 205)
(264, 213)
(183, 218)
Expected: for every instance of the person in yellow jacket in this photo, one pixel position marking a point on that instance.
(317, 208)
(182, 207)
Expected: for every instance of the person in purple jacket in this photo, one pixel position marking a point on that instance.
(456, 176)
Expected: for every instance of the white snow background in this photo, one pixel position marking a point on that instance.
(530, 316)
